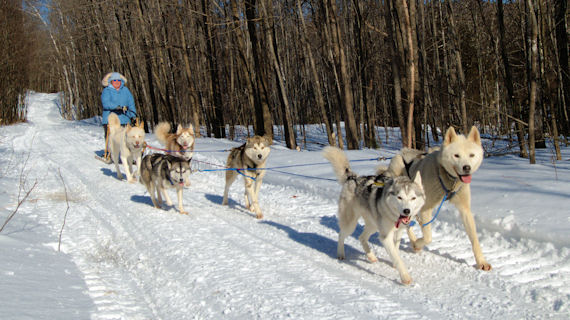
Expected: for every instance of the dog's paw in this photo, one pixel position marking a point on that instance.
(418, 245)
(406, 280)
(133, 180)
(340, 257)
(184, 212)
(187, 183)
(484, 266)
(259, 215)
(371, 257)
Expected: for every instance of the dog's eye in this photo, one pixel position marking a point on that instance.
(399, 198)
(414, 198)
(471, 155)
(456, 155)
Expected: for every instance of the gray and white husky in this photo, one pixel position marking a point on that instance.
(249, 159)
(386, 204)
(160, 172)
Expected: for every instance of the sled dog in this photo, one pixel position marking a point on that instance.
(181, 143)
(386, 204)
(446, 171)
(249, 159)
(160, 172)
(126, 142)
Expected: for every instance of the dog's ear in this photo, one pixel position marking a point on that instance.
(179, 129)
(128, 126)
(450, 136)
(474, 135)
(140, 124)
(418, 179)
(268, 139)
(191, 128)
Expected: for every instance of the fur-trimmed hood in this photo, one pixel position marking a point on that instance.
(113, 76)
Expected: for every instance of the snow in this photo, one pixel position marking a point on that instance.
(121, 258)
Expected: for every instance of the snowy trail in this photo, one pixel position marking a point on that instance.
(142, 263)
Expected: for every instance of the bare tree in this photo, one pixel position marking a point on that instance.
(533, 79)
(284, 99)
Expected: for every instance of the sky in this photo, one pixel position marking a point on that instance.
(85, 245)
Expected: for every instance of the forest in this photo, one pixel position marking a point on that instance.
(350, 65)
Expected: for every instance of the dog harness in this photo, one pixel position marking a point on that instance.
(448, 193)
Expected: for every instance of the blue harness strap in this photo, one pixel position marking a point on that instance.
(447, 196)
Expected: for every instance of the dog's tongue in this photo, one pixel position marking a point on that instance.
(465, 178)
(402, 219)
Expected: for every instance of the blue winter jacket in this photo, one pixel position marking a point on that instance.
(112, 98)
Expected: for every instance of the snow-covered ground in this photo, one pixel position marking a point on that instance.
(121, 258)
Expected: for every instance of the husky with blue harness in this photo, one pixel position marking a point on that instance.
(386, 203)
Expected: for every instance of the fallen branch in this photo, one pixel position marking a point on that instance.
(66, 210)
(23, 179)
(19, 204)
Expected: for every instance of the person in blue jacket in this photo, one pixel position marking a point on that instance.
(117, 98)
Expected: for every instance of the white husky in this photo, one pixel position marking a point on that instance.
(386, 204)
(128, 144)
(250, 159)
(446, 172)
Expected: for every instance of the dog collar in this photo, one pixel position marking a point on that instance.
(449, 194)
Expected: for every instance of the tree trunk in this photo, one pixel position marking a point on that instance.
(369, 134)
(561, 7)
(346, 87)
(459, 69)
(533, 79)
(245, 64)
(263, 123)
(509, 78)
(396, 63)
(316, 83)
(273, 56)
(218, 126)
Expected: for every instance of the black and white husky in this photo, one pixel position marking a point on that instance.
(160, 172)
(386, 204)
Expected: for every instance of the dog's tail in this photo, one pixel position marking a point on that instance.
(114, 122)
(339, 163)
(161, 131)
